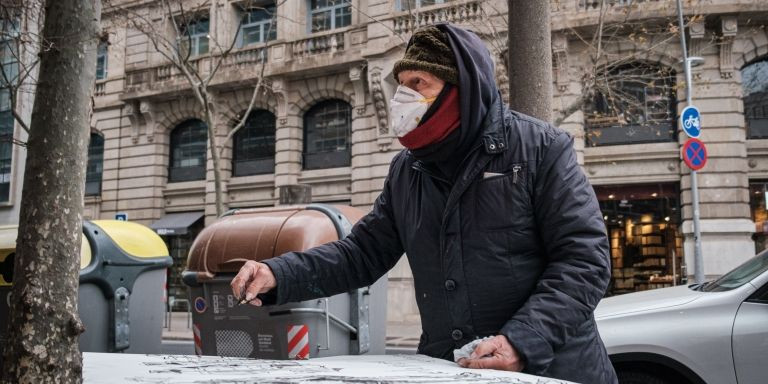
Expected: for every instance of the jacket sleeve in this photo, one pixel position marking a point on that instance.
(577, 273)
(371, 249)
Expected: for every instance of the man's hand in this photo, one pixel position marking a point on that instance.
(253, 278)
(496, 353)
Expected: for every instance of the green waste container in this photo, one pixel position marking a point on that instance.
(122, 286)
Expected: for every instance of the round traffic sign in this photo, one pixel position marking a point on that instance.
(690, 120)
(694, 154)
(200, 305)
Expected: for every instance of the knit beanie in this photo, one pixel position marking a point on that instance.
(429, 51)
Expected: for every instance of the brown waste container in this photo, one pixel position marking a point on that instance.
(348, 323)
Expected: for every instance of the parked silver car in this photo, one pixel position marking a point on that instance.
(713, 333)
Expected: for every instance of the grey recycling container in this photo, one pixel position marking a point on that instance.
(122, 284)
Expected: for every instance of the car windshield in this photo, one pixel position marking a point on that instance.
(740, 275)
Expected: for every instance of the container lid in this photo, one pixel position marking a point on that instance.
(258, 234)
(8, 234)
(134, 239)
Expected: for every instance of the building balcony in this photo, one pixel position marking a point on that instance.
(580, 13)
(457, 12)
(320, 50)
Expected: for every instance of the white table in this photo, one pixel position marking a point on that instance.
(117, 368)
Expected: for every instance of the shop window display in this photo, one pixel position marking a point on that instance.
(754, 83)
(635, 103)
(643, 223)
(179, 247)
(757, 197)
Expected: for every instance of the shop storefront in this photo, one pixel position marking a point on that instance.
(646, 241)
(757, 197)
(178, 230)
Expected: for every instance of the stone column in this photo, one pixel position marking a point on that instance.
(726, 225)
(364, 148)
(288, 140)
(567, 91)
(135, 162)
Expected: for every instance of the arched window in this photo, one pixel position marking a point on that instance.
(754, 83)
(633, 103)
(188, 145)
(95, 165)
(254, 145)
(327, 135)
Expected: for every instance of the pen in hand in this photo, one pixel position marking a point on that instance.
(244, 299)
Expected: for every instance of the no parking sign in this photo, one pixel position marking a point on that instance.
(694, 154)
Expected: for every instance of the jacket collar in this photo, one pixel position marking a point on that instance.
(493, 137)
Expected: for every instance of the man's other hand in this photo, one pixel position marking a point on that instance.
(496, 353)
(253, 278)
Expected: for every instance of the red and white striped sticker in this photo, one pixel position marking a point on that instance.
(198, 341)
(298, 342)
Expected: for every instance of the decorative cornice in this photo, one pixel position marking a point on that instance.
(560, 60)
(728, 28)
(147, 110)
(277, 87)
(356, 76)
(697, 31)
(383, 135)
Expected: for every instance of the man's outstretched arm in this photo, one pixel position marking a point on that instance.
(372, 248)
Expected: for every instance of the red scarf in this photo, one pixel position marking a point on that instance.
(444, 121)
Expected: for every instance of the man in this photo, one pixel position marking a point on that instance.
(502, 230)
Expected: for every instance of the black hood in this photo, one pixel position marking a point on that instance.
(477, 82)
(477, 92)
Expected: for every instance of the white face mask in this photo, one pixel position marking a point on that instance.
(406, 110)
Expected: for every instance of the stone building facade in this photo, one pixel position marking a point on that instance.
(324, 121)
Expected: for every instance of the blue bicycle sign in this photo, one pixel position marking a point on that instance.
(690, 120)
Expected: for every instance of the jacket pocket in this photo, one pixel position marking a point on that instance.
(502, 200)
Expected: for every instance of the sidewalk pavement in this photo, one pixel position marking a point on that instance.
(402, 336)
(180, 326)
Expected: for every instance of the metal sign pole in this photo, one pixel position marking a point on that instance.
(698, 262)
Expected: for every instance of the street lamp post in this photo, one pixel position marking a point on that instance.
(698, 262)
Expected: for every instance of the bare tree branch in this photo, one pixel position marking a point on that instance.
(200, 72)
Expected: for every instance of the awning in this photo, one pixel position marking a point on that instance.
(178, 223)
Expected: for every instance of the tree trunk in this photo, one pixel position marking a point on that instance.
(215, 158)
(530, 58)
(44, 322)
(217, 181)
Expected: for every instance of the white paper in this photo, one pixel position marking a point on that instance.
(118, 368)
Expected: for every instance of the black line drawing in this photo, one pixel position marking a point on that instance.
(389, 369)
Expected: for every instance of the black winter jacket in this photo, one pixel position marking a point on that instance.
(514, 245)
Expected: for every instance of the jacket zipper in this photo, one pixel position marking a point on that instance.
(422, 169)
(515, 170)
